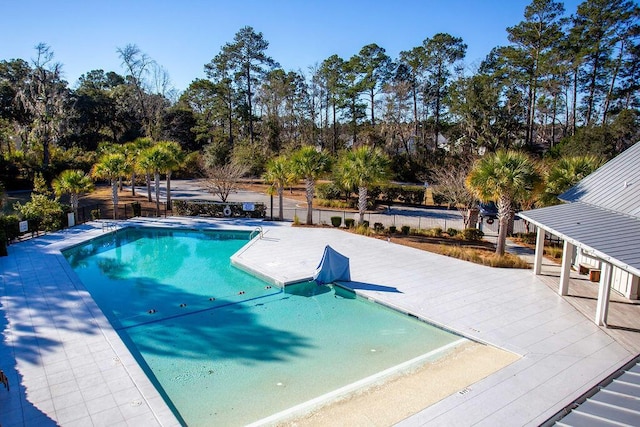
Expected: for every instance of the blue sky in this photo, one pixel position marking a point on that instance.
(183, 35)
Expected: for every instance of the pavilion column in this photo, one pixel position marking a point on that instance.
(565, 269)
(604, 291)
(537, 261)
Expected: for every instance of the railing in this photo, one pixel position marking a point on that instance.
(123, 211)
(108, 225)
(397, 216)
(258, 233)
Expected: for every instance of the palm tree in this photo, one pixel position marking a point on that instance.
(362, 168)
(73, 182)
(111, 166)
(279, 174)
(144, 166)
(566, 173)
(307, 163)
(132, 152)
(174, 161)
(504, 177)
(110, 148)
(155, 159)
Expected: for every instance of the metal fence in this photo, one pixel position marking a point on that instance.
(123, 211)
(398, 216)
(420, 219)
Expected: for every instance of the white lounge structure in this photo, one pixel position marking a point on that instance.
(600, 225)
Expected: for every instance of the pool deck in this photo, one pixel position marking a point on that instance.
(67, 366)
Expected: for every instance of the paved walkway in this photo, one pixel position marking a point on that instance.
(67, 366)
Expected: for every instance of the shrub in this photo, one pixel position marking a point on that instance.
(10, 224)
(412, 195)
(349, 222)
(44, 213)
(374, 192)
(472, 234)
(365, 231)
(3, 244)
(95, 214)
(507, 261)
(484, 258)
(194, 208)
(554, 252)
(365, 224)
(390, 194)
(296, 220)
(392, 229)
(378, 227)
(328, 191)
(405, 229)
(528, 238)
(335, 204)
(452, 232)
(439, 199)
(436, 231)
(336, 221)
(137, 209)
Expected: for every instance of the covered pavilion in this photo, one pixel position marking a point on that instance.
(600, 226)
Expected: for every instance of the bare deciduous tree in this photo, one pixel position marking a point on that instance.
(152, 86)
(451, 186)
(222, 180)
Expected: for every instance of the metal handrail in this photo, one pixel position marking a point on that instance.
(257, 230)
(109, 225)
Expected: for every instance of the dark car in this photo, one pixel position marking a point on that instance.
(488, 210)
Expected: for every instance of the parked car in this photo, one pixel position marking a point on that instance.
(488, 210)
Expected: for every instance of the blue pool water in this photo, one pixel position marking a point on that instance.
(226, 348)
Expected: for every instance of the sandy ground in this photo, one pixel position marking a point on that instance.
(400, 397)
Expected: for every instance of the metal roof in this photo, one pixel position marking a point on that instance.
(615, 185)
(617, 403)
(608, 235)
(603, 213)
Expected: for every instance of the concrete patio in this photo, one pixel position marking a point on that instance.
(67, 366)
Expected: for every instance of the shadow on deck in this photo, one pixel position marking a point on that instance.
(623, 319)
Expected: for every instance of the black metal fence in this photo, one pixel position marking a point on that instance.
(123, 211)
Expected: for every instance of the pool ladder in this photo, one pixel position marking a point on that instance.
(257, 232)
(109, 225)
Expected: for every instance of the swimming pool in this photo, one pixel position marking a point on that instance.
(226, 348)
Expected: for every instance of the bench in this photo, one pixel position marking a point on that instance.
(583, 269)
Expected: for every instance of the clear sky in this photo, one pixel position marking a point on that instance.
(183, 35)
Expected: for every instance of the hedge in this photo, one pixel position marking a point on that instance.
(329, 191)
(389, 193)
(216, 209)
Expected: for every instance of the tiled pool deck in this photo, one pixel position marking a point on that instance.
(67, 366)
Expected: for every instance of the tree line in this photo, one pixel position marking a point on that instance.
(567, 83)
